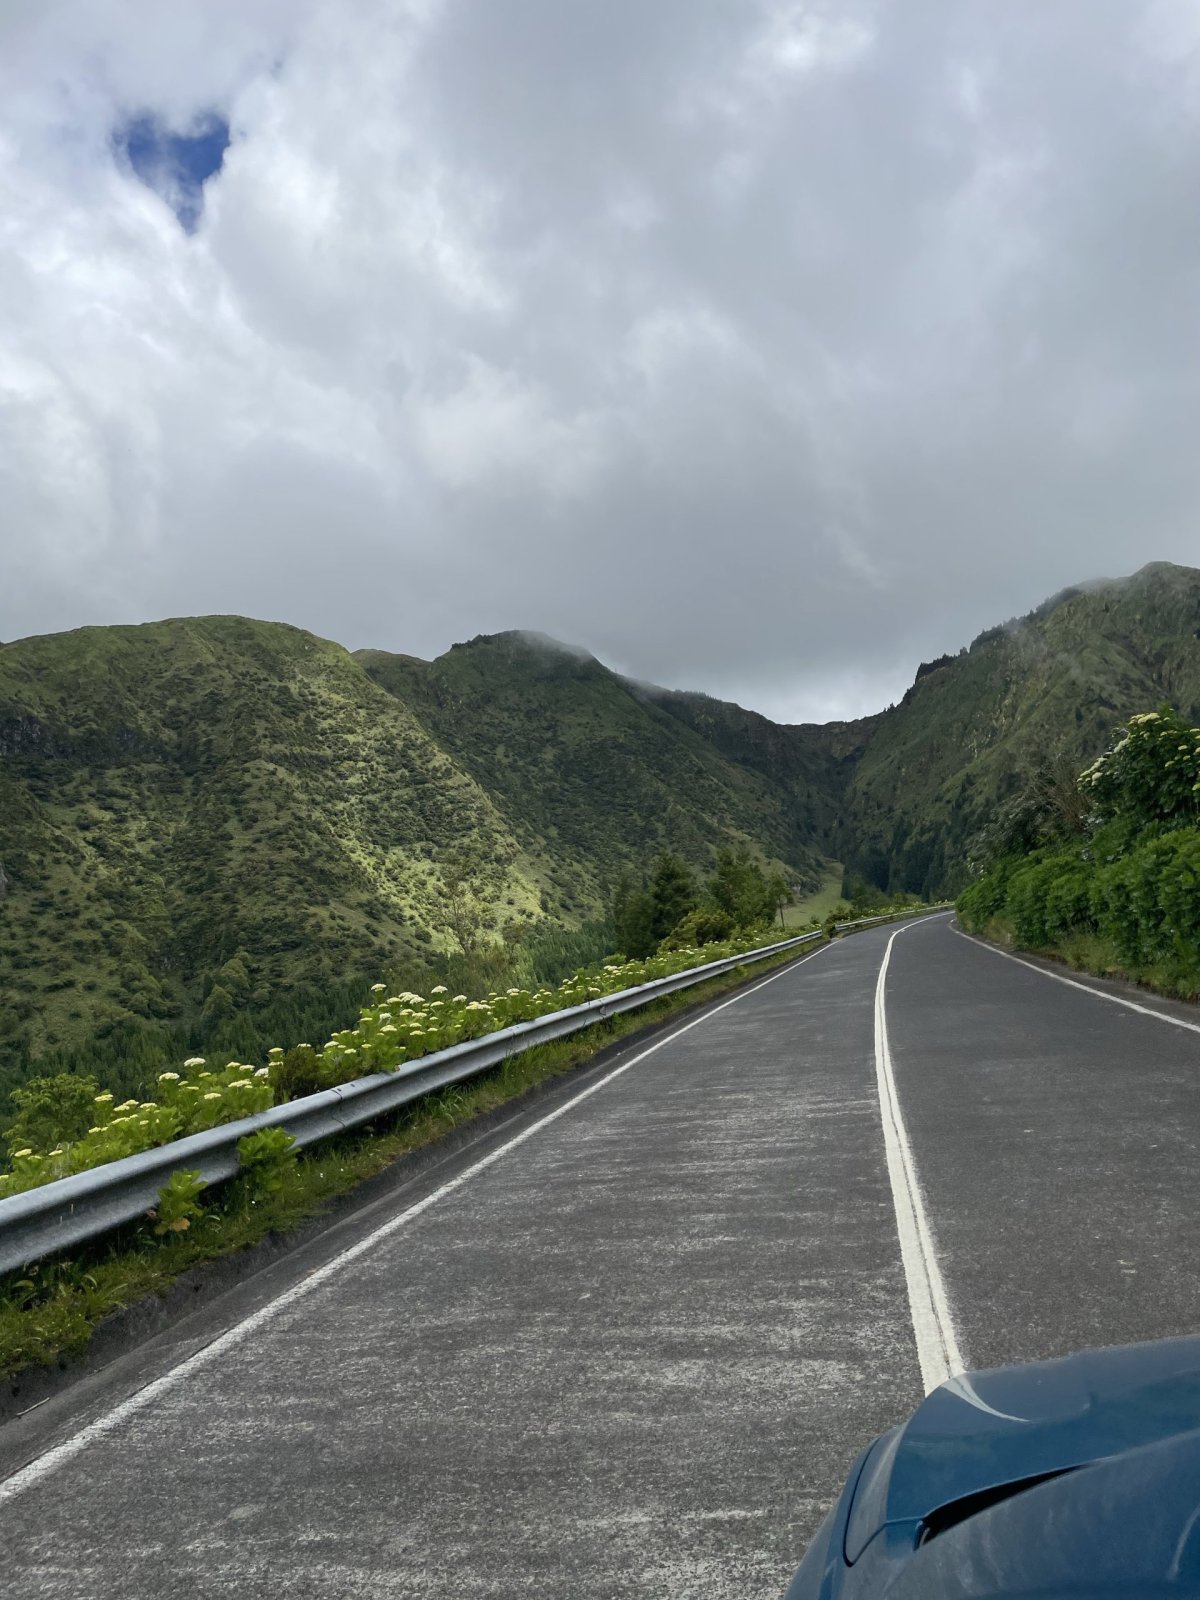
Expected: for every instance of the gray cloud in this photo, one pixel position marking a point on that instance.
(759, 348)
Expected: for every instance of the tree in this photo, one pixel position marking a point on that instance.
(740, 887)
(51, 1111)
(672, 894)
(218, 1007)
(863, 895)
(234, 976)
(780, 891)
(704, 925)
(633, 918)
(1052, 807)
(462, 911)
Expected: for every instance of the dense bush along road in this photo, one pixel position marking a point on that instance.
(629, 1343)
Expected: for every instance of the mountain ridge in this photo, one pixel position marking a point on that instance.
(219, 803)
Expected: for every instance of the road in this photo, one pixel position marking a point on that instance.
(629, 1343)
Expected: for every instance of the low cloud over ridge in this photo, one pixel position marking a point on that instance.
(759, 349)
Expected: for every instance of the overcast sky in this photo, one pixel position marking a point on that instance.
(759, 347)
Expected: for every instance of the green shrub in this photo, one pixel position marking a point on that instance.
(266, 1158)
(296, 1072)
(51, 1111)
(178, 1203)
(703, 925)
(1179, 893)
(1068, 898)
(1151, 776)
(1148, 903)
(1025, 901)
(1134, 884)
(985, 898)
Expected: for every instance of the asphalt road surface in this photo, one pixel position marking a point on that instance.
(628, 1344)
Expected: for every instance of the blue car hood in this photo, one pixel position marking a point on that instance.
(978, 1433)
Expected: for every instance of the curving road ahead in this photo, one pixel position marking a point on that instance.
(629, 1343)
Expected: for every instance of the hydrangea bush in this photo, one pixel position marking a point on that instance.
(392, 1030)
(189, 1101)
(1133, 879)
(397, 1028)
(1151, 776)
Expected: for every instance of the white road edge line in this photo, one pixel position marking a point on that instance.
(42, 1466)
(933, 1324)
(1072, 983)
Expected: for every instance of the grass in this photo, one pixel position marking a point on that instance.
(51, 1313)
(819, 904)
(1092, 953)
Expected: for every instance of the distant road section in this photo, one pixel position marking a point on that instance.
(629, 1344)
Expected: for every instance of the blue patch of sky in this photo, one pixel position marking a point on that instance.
(175, 165)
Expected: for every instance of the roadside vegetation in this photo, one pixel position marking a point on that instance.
(1103, 868)
(666, 908)
(68, 1123)
(49, 1312)
(663, 920)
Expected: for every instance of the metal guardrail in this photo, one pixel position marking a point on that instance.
(892, 916)
(55, 1216)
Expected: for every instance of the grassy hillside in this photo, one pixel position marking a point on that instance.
(809, 764)
(211, 821)
(176, 794)
(975, 728)
(589, 774)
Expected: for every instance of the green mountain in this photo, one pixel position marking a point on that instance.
(178, 793)
(205, 818)
(810, 764)
(199, 817)
(590, 775)
(976, 728)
